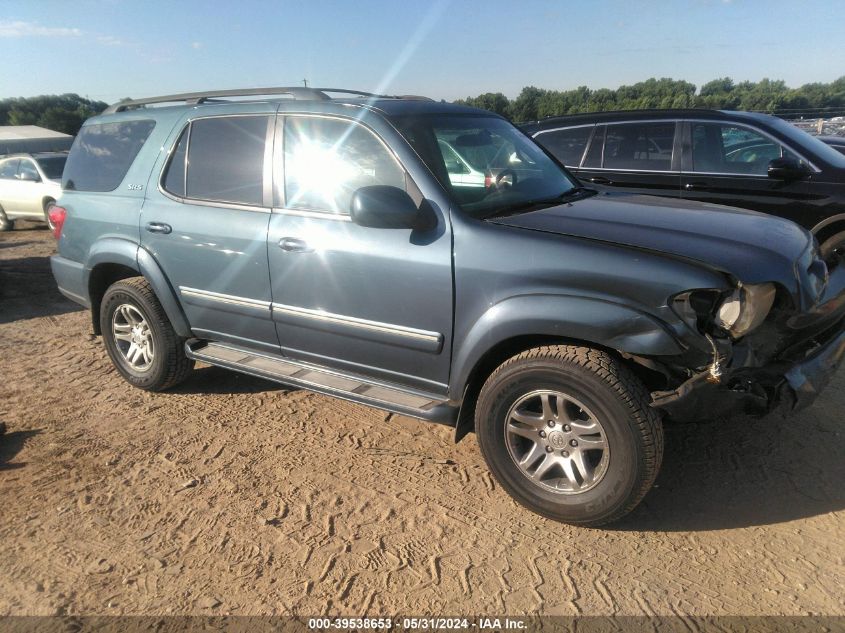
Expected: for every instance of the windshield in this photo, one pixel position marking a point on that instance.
(488, 165)
(53, 166)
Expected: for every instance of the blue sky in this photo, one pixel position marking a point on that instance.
(108, 49)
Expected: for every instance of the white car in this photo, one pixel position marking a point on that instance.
(461, 173)
(29, 187)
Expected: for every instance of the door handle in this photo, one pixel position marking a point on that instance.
(293, 245)
(600, 180)
(159, 227)
(697, 186)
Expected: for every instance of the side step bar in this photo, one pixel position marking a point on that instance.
(389, 397)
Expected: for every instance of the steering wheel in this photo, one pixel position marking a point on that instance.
(502, 179)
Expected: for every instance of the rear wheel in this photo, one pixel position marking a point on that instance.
(139, 338)
(48, 205)
(5, 223)
(568, 432)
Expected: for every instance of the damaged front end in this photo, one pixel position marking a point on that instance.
(780, 360)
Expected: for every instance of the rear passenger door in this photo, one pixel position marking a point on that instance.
(10, 190)
(205, 221)
(29, 183)
(638, 157)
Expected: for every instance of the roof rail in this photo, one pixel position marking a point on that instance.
(297, 92)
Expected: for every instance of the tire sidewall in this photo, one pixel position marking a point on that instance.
(50, 204)
(626, 452)
(119, 295)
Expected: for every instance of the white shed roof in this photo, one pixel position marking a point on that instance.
(25, 132)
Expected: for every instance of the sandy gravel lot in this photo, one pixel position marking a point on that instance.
(234, 495)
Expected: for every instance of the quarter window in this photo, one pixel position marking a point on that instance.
(731, 149)
(326, 160)
(226, 160)
(566, 145)
(102, 154)
(646, 146)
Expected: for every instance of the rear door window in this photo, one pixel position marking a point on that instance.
(102, 154)
(226, 159)
(9, 168)
(566, 145)
(640, 146)
(326, 160)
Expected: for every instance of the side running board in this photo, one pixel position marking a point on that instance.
(352, 387)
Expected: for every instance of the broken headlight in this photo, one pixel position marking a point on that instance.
(745, 308)
(736, 313)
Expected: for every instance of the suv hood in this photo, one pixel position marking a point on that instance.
(752, 247)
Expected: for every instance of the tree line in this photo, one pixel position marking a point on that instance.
(62, 113)
(66, 113)
(767, 95)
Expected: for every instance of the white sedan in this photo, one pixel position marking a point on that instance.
(29, 186)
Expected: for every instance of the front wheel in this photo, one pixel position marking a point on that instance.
(139, 338)
(568, 432)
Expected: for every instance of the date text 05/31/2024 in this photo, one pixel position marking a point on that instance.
(421, 624)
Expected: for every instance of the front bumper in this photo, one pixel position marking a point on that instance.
(756, 390)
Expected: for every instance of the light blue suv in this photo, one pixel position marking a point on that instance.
(336, 244)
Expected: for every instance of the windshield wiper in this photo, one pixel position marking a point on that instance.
(575, 193)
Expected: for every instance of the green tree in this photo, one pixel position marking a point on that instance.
(62, 113)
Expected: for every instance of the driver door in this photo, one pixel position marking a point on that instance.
(373, 301)
(726, 163)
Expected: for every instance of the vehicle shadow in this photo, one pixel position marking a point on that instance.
(742, 472)
(10, 445)
(16, 244)
(28, 290)
(217, 380)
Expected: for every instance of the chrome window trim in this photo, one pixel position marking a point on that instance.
(681, 171)
(321, 315)
(597, 124)
(223, 298)
(563, 127)
(306, 213)
(347, 119)
(262, 208)
(759, 131)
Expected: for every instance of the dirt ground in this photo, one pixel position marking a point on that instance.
(231, 494)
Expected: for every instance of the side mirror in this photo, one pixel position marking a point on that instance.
(384, 207)
(30, 178)
(787, 168)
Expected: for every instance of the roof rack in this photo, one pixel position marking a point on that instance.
(297, 92)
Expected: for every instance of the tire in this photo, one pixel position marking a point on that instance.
(594, 401)
(5, 223)
(833, 244)
(130, 313)
(49, 204)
